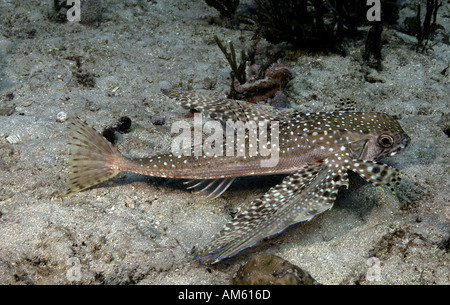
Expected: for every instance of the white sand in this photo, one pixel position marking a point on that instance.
(135, 229)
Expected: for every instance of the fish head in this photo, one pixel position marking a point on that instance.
(382, 136)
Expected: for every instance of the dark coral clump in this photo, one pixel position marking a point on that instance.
(308, 24)
(374, 40)
(269, 269)
(237, 69)
(251, 81)
(59, 13)
(429, 24)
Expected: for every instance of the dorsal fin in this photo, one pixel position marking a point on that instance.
(345, 104)
(228, 109)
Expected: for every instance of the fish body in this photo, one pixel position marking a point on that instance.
(316, 150)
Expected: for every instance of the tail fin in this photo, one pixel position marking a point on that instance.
(93, 158)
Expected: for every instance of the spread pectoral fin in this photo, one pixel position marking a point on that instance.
(299, 197)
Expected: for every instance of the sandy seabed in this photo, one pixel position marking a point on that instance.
(138, 229)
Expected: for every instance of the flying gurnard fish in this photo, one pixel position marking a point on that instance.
(315, 150)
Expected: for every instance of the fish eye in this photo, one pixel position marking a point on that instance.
(385, 140)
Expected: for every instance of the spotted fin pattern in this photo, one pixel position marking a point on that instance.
(227, 109)
(377, 173)
(299, 197)
(345, 104)
(92, 157)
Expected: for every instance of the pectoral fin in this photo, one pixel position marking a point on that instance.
(299, 197)
(377, 173)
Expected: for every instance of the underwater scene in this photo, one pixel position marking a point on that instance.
(225, 142)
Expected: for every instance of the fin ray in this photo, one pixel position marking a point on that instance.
(228, 109)
(299, 197)
(213, 187)
(93, 158)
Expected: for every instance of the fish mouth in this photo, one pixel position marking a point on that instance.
(404, 143)
(394, 152)
(400, 148)
(397, 150)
